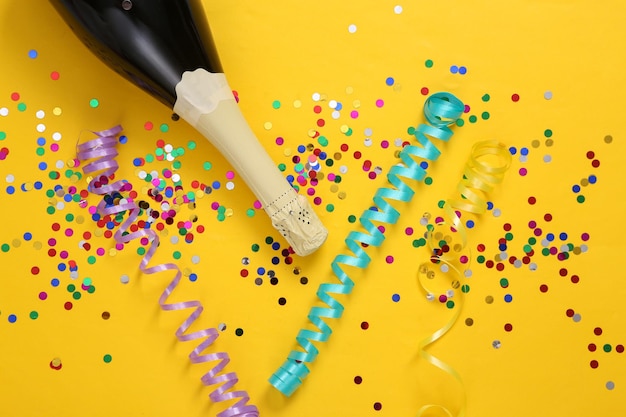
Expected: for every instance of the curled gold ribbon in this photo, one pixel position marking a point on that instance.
(488, 162)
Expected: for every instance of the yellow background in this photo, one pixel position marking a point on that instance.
(286, 51)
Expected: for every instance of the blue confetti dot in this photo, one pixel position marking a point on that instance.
(339, 106)
(169, 192)
(523, 151)
(290, 178)
(216, 185)
(395, 298)
(123, 139)
(550, 237)
(576, 188)
(137, 162)
(454, 69)
(41, 141)
(275, 260)
(12, 318)
(508, 298)
(95, 217)
(275, 245)
(592, 179)
(563, 236)
(424, 165)
(389, 81)
(55, 282)
(462, 70)
(469, 224)
(61, 267)
(32, 54)
(10, 189)
(260, 270)
(322, 156)
(502, 247)
(489, 205)
(193, 277)
(301, 148)
(43, 166)
(67, 198)
(28, 236)
(513, 150)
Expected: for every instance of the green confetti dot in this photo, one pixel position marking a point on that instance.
(176, 255)
(207, 165)
(71, 288)
(69, 217)
(93, 103)
(164, 128)
(107, 358)
(450, 304)
(50, 210)
(40, 151)
(159, 152)
(607, 348)
(441, 203)
(460, 122)
(76, 295)
(480, 259)
(269, 240)
(177, 164)
(329, 162)
(580, 199)
(149, 158)
(429, 63)
(179, 151)
(473, 119)
(411, 130)
(5, 247)
(418, 243)
(221, 217)
(330, 208)
(298, 167)
(250, 212)
(34, 315)
(545, 252)
(282, 167)
(255, 247)
(527, 248)
(351, 218)
(547, 133)
(486, 97)
(191, 145)
(508, 236)
(504, 282)
(485, 115)
(322, 141)
(141, 251)
(276, 104)
(349, 132)
(3, 135)
(91, 289)
(239, 332)
(91, 260)
(465, 288)
(428, 180)
(21, 107)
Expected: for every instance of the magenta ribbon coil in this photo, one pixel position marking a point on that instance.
(101, 151)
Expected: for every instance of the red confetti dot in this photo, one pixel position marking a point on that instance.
(562, 272)
(515, 98)
(317, 109)
(590, 155)
(243, 273)
(575, 279)
(508, 327)
(357, 155)
(358, 379)
(547, 217)
(500, 266)
(56, 227)
(591, 347)
(424, 91)
(619, 348)
(68, 305)
(378, 406)
(365, 325)
(595, 163)
(148, 126)
(543, 288)
(34, 270)
(594, 364)
(532, 200)
(54, 75)
(569, 312)
(344, 147)
(480, 248)
(321, 122)
(597, 331)
(15, 96)
(507, 227)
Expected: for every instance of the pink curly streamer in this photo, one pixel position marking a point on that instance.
(103, 151)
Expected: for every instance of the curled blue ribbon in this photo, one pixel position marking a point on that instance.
(440, 110)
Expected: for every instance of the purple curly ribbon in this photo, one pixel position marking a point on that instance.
(103, 151)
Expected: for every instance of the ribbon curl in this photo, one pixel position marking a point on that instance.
(103, 151)
(440, 110)
(485, 168)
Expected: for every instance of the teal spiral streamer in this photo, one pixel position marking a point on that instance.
(440, 110)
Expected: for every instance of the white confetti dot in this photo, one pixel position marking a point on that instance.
(547, 95)
(332, 104)
(142, 175)
(352, 28)
(40, 114)
(59, 164)
(397, 9)
(10, 178)
(335, 115)
(195, 259)
(41, 128)
(343, 169)
(60, 205)
(230, 185)
(316, 96)
(176, 177)
(56, 136)
(4, 111)
(174, 239)
(124, 279)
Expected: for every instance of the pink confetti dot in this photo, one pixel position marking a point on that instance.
(310, 191)
(43, 295)
(384, 144)
(230, 175)
(54, 147)
(257, 205)
(408, 231)
(279, 141)
(354, 114)
(69, 232)
(443, 298)
(380, 103)
(523, 172)
(389, 259)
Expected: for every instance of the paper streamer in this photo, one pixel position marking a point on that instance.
(102, 150)
(485, 168)
(440, 110)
